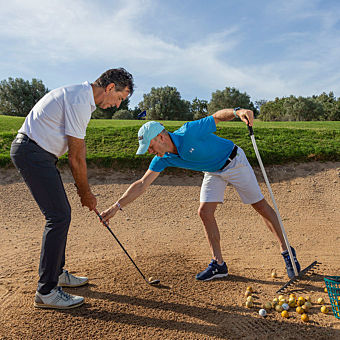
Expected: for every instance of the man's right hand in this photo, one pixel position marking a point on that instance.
(88, 200)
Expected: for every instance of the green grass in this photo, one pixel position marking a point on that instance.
(257, 124)
(113, 143)
(9, 123)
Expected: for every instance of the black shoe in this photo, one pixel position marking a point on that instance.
(213, 271)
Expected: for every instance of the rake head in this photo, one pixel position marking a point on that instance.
(295, 279)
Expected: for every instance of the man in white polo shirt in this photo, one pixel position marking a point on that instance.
(55, 125)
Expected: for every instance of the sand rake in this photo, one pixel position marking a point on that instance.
(313, 265)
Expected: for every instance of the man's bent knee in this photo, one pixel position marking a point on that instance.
(62, 219)
(260, 204)
(262, 207)
(207, 210)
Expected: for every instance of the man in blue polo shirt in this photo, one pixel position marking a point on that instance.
(194, 146)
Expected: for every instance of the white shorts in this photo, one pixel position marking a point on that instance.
(239, 174)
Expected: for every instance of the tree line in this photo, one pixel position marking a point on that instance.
(322, 107)
(18, 96)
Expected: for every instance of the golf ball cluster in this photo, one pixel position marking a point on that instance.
(283, 304)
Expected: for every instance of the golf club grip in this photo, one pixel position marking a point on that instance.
(127, 254)
(250, 128)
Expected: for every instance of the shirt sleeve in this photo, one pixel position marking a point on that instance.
(77, 117)
(158, 164)
(202, 127)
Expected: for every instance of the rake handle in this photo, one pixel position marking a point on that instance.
(251, 134)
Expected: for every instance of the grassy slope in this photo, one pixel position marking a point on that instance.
(8, 123)
(114, 142)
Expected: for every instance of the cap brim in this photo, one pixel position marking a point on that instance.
(142, 149)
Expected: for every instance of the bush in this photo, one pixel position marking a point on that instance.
(108, 113)
(123, 114)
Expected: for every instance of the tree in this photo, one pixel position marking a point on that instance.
(334, 114)
(199, 108)
(302, 109)
(272, 110)
(108, 113)
(136, 113)
(230, 97)
(330, 105)
(17, 96)
(259, 103)
(123, 114)
(165, 103)
(293, 109)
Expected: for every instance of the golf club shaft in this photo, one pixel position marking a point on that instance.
(251, 134)
(109, 229)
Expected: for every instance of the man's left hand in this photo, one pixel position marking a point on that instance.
(246, 116)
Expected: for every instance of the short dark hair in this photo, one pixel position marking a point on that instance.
(119, 76)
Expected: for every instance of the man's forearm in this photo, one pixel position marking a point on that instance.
(79, 172)
(138, 187)
(224, 115)
(247, 116)
(77, 162)
(134, 191)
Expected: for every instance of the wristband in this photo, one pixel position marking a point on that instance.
(236, 108)
(119, 206)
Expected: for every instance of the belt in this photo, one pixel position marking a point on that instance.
(22, 137)
(231, 157)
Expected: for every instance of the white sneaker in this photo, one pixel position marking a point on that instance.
(68, 280)
(57, 299)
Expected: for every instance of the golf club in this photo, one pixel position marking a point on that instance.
(152, 282)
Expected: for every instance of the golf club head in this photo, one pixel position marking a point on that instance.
(154, 282)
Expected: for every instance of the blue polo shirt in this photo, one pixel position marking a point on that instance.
(198, 148)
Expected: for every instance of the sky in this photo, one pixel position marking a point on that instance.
(266, 48)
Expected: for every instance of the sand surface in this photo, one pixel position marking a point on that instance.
(163, 233)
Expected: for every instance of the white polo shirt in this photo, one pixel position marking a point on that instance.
(65, 111)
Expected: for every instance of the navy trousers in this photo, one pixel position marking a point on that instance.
(39, 171)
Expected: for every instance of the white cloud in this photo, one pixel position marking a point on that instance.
(37, 33)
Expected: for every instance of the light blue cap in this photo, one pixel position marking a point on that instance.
(147, 132)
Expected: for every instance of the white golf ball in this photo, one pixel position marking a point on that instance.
(285, 306)
(263, 312)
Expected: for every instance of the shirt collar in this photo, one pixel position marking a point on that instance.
(175, 140)
(92, 103)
